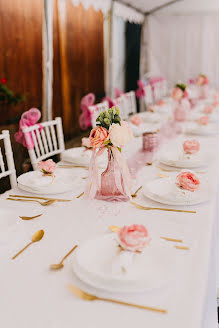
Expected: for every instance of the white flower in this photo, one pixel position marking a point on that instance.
(120, 135)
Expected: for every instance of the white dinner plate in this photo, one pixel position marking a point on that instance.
(180, 159)
(153, 268)
(35, 182)
(205, 130)
(81, 156)
(165, 191)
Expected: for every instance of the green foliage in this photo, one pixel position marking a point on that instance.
(7, 96)
(107, 118)
(181, 86)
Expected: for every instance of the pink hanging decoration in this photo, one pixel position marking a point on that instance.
(28, 118)
(85, 117)
(111, 103)
(140, 92)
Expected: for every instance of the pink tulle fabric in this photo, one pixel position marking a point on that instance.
(28, 118)
(115, 180)
(85, 117)
(140, 92)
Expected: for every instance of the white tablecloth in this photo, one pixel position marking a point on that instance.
(33, 296)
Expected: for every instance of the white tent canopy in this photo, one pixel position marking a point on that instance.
(179, 39)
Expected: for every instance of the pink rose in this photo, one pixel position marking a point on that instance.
(203, 120)
(202, 80)
(85, 142)
(208, 109)
(133, 238)
(98, 136)
(135, 119)
(177, 93)
(47, 167)
(120, 135)
(161, 102)
(188, 181)
(191, 146)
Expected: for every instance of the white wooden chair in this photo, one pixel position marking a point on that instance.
(48, 141)
(95, 111)
(9, 168)
(148, 98)
(121, 104)
(131, 102)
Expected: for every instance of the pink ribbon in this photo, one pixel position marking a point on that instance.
(111, 103)
(118, 93)
(85, 117)
(28, 118)
(140, 93)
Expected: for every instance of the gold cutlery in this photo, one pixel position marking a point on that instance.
(172, 239)
(114, 228)
(160, 175)
(182, 247)
(71, 166)
(160, 208)
(61, 265)
(177, 170)
(43, 198)
(149, 163)
(89, 297)
(135, 193)
(37, 236)
(81, 194)
(45, 203)
(30, 217)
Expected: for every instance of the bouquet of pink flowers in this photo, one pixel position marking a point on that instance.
(202, 82)
(111, 134)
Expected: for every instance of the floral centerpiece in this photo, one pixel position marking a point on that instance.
(111, 134)
(202, 82)
(180, 95)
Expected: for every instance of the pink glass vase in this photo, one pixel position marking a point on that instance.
(112, 186)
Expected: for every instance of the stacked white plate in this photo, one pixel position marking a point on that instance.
(35, 182)
(195, 128)
(80, 156)
(165, 191)
(153, 268)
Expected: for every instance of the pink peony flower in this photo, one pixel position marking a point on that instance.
(136, 120)
(202, 80)
(47, 167)
(188, 181)
(98, 136)
(203, 120)
(177, 94)
(161, 102)
(120, 135)
(133, 238)
(208, 109)
(191, 146)
(85, 142)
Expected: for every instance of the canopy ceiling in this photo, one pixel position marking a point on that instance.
(146, 6)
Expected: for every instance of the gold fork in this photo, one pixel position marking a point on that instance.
(89, 297)
(46, 203)
(43, 198)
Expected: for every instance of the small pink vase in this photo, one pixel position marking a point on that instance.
(112, 186)
(150, 141)
(204, 91)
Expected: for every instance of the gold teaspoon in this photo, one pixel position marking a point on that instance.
(135, 193)
(37, 236)
(61, 265)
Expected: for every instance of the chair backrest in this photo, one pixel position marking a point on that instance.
(131, 102)
(148, 98)
(9, 168)
(95, 111)
(121, 104)
(47, 140)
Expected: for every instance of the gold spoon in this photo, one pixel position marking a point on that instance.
(37, 236)
(46, 203)
(30, 217)
(88, 297)
(60, 265)
(135, 193)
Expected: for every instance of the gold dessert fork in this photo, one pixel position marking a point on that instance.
(30, 217)
(46, 203)
(89, 297)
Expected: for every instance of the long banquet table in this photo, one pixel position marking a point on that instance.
(33, 296)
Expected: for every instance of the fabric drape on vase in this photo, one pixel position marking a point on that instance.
(133, 43)
(183, 46)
